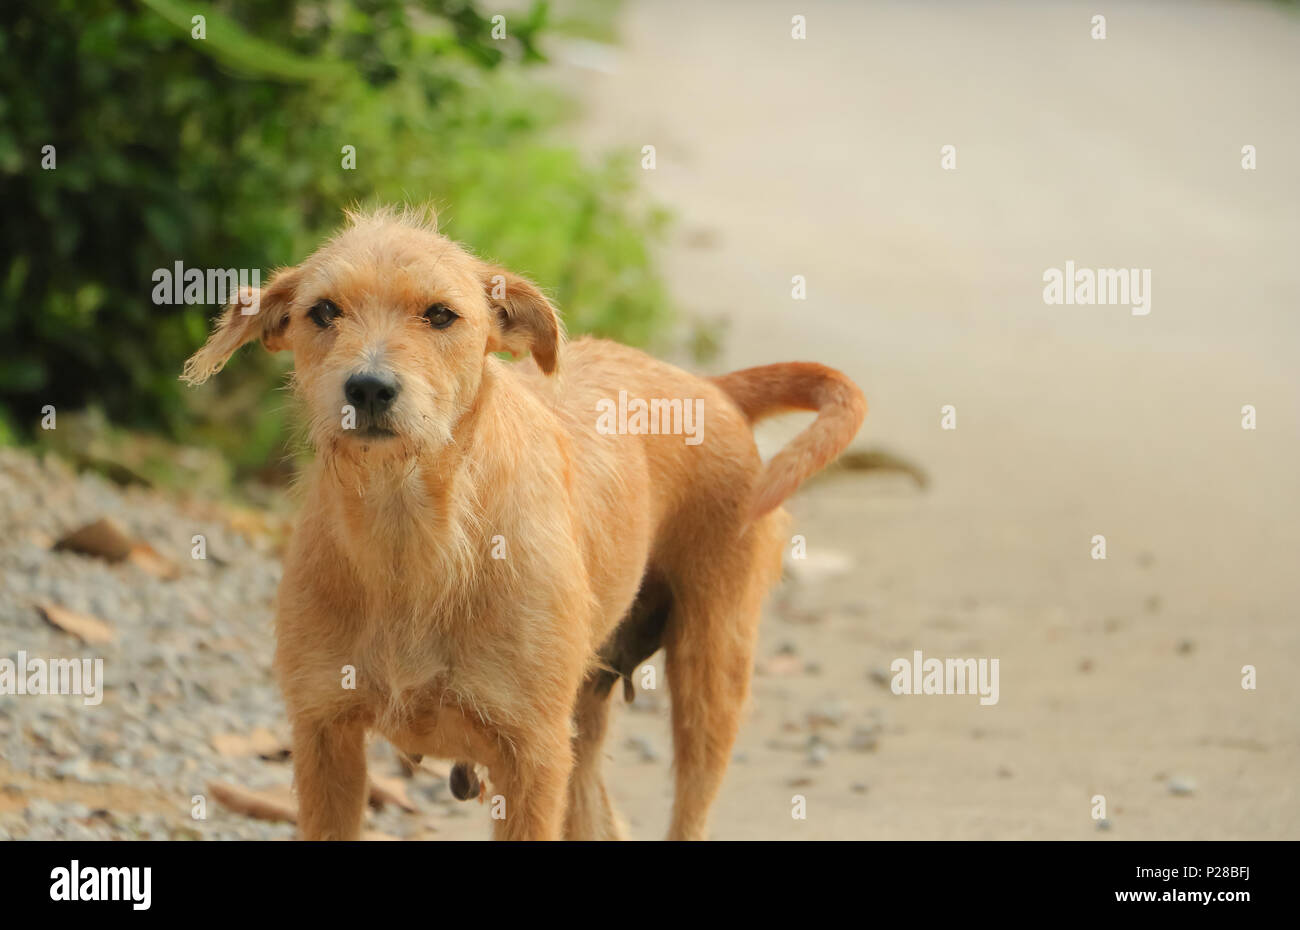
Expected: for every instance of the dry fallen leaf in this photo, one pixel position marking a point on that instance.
(409, 764)
(103, 538)
(147, 558)
(877, 460)
(255, 525)
(385, 790)
(232, 745)
(423, 764)
(257, 742)
(269, 746)
(263, 805)
(781, 666)
(83, 626)
(106, 539)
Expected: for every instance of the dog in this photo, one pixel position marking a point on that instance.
(476, 564)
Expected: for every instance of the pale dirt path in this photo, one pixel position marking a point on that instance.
(822, 158)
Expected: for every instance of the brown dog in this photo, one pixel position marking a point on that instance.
(486, 548)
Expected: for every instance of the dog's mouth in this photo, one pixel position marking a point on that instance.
(376, 432)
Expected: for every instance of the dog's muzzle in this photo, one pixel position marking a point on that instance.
(372, 396)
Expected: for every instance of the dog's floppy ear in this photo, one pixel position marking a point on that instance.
(523, 320)
(254, 314)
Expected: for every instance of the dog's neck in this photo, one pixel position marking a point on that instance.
(415, 503)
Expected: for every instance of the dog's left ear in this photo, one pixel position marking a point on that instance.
(523, 320)
(254, 314)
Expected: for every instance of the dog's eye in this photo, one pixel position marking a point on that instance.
(323, 313)
(440, 316)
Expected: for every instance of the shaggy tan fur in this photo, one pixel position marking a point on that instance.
(468, 556)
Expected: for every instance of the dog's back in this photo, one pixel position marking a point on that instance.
(696, 432)
(665, 458)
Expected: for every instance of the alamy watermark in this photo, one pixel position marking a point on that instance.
(1122, 287)
(37, 676)
(946, 676)
(87, 883)
(638, 416)
(181, 285)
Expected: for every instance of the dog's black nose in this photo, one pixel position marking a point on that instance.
(372, 394)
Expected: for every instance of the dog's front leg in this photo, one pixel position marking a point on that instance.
(534, 782)
(329, 773)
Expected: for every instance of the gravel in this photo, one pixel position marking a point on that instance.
(190, 660)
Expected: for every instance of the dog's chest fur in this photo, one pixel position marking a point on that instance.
(436, 624)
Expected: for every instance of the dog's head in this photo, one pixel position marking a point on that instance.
(390, 325)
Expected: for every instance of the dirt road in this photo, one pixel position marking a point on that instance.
(1122, 677)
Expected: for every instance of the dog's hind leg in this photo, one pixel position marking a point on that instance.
(589, 814)
(710, 641)
(637, 637)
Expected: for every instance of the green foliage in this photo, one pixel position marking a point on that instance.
(225, 152)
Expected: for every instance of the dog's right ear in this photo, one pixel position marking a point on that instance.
(254, 314)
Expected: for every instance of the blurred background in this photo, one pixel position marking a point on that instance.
(774, 157)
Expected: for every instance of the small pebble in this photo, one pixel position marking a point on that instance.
(865, 739)
(644, 749)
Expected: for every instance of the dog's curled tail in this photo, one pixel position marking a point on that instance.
(771, 389)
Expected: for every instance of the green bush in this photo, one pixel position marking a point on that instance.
(225, 152)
